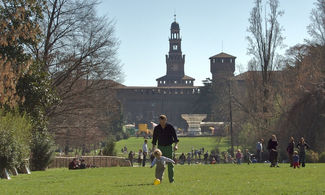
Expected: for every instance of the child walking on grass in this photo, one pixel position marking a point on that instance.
(160, 161)
(295, 159)
(238, 156)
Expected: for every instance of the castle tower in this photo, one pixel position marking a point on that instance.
(175, 61)
(222, 66)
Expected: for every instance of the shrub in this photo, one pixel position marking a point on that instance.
(118, 137)
(312, 157)
(109, 148)
(322, 157)
(126, 135)
(42, 150)
(15, 132)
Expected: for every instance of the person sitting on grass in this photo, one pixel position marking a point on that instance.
(206, 155)
(189, 158)
(160, 161)
(238, 156)
(295, 159)
(82, 164)
(213, 161)
(230, 159)
(182, 159)
(74, 164)
(225, 160)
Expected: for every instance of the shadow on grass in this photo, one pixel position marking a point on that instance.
(130, 185)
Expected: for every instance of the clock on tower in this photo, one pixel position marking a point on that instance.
(175, 61)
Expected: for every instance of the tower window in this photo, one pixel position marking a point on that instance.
(174, 47)
(213, 60)
(221, 60)
(230, 60)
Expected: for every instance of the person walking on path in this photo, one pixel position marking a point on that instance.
(259, 151)
(273, 153)
(166, 136)
(145, 152)
(302, 146)
(290, 150)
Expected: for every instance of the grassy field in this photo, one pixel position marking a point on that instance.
(185, 144)
(193, 179)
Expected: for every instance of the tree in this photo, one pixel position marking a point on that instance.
(78, 46)
(19, 30)
(21, 85)
(317, 27)
(303, 95)
(78, 50)
(266, 38)
(264, 41)
(39, 97)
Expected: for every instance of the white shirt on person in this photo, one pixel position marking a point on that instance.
(259, 146)
(145, 148)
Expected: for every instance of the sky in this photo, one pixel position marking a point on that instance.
(208, 27)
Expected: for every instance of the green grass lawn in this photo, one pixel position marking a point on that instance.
(193, 179)
(185, 144)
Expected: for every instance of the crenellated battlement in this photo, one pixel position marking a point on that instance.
(159, 90)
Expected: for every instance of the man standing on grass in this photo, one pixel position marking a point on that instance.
(165, 134)
(259, 151)
(145, 152)
(290, 150)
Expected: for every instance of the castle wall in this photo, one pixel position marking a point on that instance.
(143, 105)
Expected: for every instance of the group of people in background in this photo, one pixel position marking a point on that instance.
(78, 163)
(142, 155)
(296, 158)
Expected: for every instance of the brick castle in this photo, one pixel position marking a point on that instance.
(175, 93)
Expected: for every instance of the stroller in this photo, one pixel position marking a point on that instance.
(253, 158)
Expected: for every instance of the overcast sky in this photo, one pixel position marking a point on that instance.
(143, 27)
